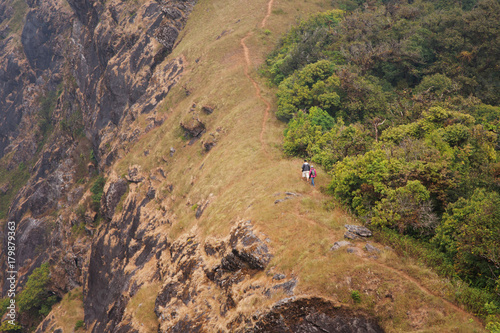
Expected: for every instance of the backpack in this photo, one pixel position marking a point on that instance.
(313, 173)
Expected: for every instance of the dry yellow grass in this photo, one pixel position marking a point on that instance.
(70, 310)
(241, 174)
(141, 307)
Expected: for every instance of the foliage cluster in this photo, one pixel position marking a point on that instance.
(97, 191)
(36, 299)
(7, 327)
(399, 101)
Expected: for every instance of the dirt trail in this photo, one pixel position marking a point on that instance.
(248, 63)
(269, 7)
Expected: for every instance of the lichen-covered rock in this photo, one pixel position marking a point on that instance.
(338, 245)
(358, 230)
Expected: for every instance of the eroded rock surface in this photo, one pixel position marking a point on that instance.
(308, 315)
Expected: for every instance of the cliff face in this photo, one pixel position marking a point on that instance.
(106, 62)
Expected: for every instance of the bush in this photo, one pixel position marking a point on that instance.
(36, 298)
(356, 296)
(6, 327)
(79, 324)
(97, 191)
(4, 303)
(470, 233)
(314, 85)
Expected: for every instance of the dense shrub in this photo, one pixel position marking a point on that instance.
(35, 297)
(97, 191)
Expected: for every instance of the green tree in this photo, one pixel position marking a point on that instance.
(314, 85)
(469, 234)
(6, 327)
(35, 297)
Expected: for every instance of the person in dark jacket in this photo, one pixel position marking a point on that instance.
(312, 175)
(305, 170)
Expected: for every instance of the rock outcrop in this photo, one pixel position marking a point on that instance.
(314, 315)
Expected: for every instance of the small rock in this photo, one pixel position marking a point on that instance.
(207, 109)
(172, 151)
(278, 276)
(193, 127)
(359, 230)
(370, 248)
(338, 245)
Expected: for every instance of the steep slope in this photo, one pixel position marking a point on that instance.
(205, 227)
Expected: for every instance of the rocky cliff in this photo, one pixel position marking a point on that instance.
(154, 179)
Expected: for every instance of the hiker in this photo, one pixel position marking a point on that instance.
(312, 175)
(305, 170)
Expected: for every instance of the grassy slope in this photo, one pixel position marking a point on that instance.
(242, 174)
(68, 312)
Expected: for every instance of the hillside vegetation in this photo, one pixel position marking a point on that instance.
(398, 101)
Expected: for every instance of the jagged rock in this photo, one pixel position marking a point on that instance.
(134, 174)
(207, 109)
(278, 276)
(338, 245)
(287, 287)
(358, 230)
(209, 143)
(193, 127)
(112, 197)
(151, 192)
(350, 235)
(370, 248)
(313, 315)
(32, 235)
(249, 247)
(90, 216)
(212, 249)
(281, 200)
(89, 231)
